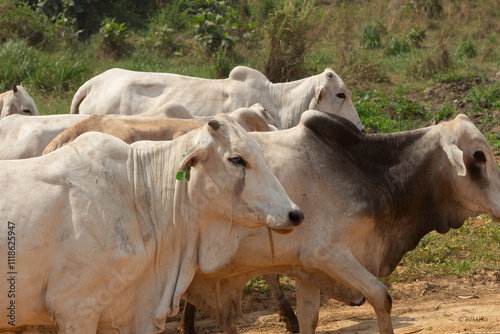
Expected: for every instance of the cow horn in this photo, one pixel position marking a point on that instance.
(456, 157)
(214, 124)
(14, 88)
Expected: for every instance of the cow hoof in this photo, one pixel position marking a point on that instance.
(291, 325)
(188, 332)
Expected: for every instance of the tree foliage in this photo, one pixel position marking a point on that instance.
(89, 14)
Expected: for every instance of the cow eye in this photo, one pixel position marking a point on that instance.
(238, 161)
(27, 111)
(479, 155)
(341, 95)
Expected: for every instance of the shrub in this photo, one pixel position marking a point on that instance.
(428, 66)
(175, 15)
(21, 62)
(214, 21)
(164, 30)
(371, 36)
(88, 14)
(114, 37)
(416, 36)
(263, 9)
(422, 68)
(223, 64)
(430, 8)
(358, 69)
(18, 61)
(58, 74)
(395, 47)
(25, 23)
(466, 50)
(291, 36)
(443, 59)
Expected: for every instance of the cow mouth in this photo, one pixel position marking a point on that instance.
(283, 230)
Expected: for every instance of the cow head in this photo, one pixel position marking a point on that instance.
(229, 175)
(234, 188)
(476, 175)
(332, 96)
(17, 101)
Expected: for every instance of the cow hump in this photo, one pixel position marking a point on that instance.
(331, 127)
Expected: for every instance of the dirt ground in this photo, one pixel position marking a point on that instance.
(442, 305)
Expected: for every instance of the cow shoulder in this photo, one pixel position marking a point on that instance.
(331, 127)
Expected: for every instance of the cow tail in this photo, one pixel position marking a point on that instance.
(80, 95)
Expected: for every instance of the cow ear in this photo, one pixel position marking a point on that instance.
(318, 96)
(14, 88)
(21, 84)
(456, 157)
(194, 155)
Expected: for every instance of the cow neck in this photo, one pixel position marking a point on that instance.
(171, 241)
(155, 184)
(286, 102)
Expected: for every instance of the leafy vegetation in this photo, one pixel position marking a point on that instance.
(396, 47)
(416, 36)
(418, 63)
(371, 36)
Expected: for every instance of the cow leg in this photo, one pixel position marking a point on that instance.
(186, 325)
(284, 308)
(308, 300)
(341, 265)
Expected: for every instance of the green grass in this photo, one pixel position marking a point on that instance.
(382, 112)
(463, 252)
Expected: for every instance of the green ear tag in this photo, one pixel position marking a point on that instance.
(180, 175)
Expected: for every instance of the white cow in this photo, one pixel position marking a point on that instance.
(26, 137)
(17, 101)
(111, 239)
(119, 91)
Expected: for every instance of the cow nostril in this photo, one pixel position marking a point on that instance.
(296, 217)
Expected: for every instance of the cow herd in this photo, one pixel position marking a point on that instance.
(168, 187)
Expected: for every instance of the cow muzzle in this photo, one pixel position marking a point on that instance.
(295, 218)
